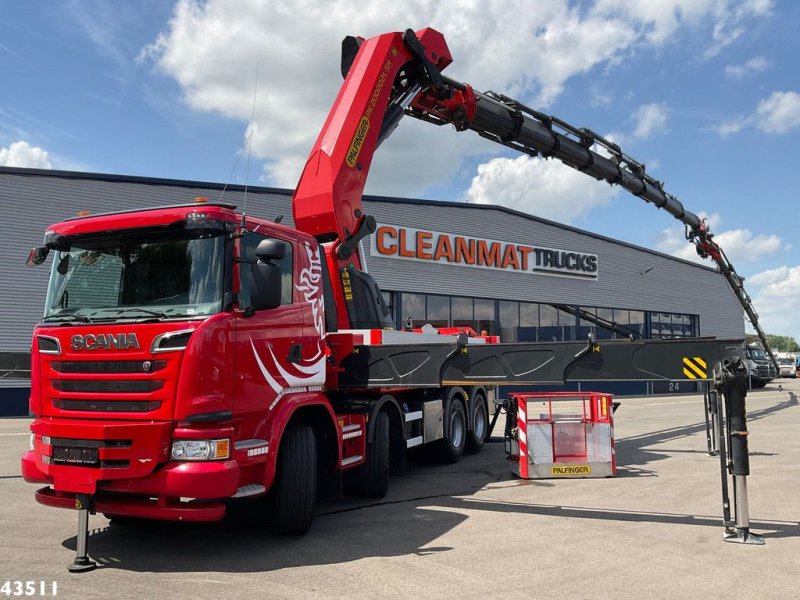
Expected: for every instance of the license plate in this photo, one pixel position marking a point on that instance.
(68, 455)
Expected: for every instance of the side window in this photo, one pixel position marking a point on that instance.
(249, 243)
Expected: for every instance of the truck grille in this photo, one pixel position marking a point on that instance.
(107, 405)
(142, 387)
(120, 386)
(107, 366)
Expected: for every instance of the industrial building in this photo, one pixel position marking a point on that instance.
(441, 263)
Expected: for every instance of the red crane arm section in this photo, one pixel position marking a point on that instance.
(327, 200)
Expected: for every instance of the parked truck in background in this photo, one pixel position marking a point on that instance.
(760, 369)
(787, 362)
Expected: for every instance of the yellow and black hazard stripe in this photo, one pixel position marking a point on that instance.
(695, 367)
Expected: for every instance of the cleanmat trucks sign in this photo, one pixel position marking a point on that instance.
(406, 243)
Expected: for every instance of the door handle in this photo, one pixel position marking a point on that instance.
(295, 354)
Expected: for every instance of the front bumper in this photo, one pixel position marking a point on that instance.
(132, 506)
(132, 475)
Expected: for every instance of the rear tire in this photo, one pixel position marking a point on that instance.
(456, 421)
(480, 424)
(373, 475)
(295, 490)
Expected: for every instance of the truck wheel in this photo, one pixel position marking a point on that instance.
(296, 480)
(456, 421)
(373, 475)
(480, 424)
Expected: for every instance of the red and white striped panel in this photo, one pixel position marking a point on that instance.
(522, 436)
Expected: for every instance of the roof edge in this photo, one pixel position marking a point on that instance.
(23, 171)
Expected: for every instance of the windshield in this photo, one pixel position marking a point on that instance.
(757, 353)
(786, 361)
(146, 276)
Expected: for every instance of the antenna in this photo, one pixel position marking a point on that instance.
(247, 146)
(250, 147)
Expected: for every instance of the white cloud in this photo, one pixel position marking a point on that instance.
(661, 19)
(545, 188)
(755, 65)
(650, 119)
(776, 114)
(213, 52)
(776, 297)
(779, 113)
(22, 154)
(733, 126)
(730, 19)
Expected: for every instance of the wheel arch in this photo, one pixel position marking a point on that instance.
(316, 411)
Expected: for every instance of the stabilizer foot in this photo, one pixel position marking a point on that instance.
(82, 564)
(743, 536)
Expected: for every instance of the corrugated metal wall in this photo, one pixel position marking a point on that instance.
(31, 200)
(669, 285)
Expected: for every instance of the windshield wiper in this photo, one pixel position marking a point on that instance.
(155, 313)
(68, 314)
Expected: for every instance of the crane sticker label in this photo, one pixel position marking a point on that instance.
(390, 241)
(570, 470)
(695, 367)
(363, 124)
(358, 141)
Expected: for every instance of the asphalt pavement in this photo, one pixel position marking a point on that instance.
(469, 530)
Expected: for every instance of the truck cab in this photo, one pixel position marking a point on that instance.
(154, 367)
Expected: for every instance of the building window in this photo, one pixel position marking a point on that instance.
(528, 322)
(509, 321)
(566, 324)
(606, 325)
(587, 323)
(484, 316)
(636, 322)
(413, 308)
(388, 297)
(672, 325)
(438, 311)
(461, 311)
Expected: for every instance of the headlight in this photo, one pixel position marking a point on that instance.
(201, 449)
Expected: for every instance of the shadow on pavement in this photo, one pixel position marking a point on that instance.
(634, 450)
(239, 544)
(231, 548)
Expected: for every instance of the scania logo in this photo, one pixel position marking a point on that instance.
(105, 341)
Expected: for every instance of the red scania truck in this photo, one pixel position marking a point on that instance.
(191, 354)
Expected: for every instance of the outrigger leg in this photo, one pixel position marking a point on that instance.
(733, 381)
(84, 504)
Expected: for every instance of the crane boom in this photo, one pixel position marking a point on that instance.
(396, 74)
(508, 122)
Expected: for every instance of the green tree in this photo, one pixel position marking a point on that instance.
(782, 343)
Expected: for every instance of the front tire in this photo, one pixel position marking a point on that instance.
(295, 490)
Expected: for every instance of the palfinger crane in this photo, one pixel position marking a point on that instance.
(409, 81)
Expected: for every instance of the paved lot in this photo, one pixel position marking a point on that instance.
(464, 531)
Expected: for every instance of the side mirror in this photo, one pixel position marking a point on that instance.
(37, 256)
(268, 250)
(265, 277)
